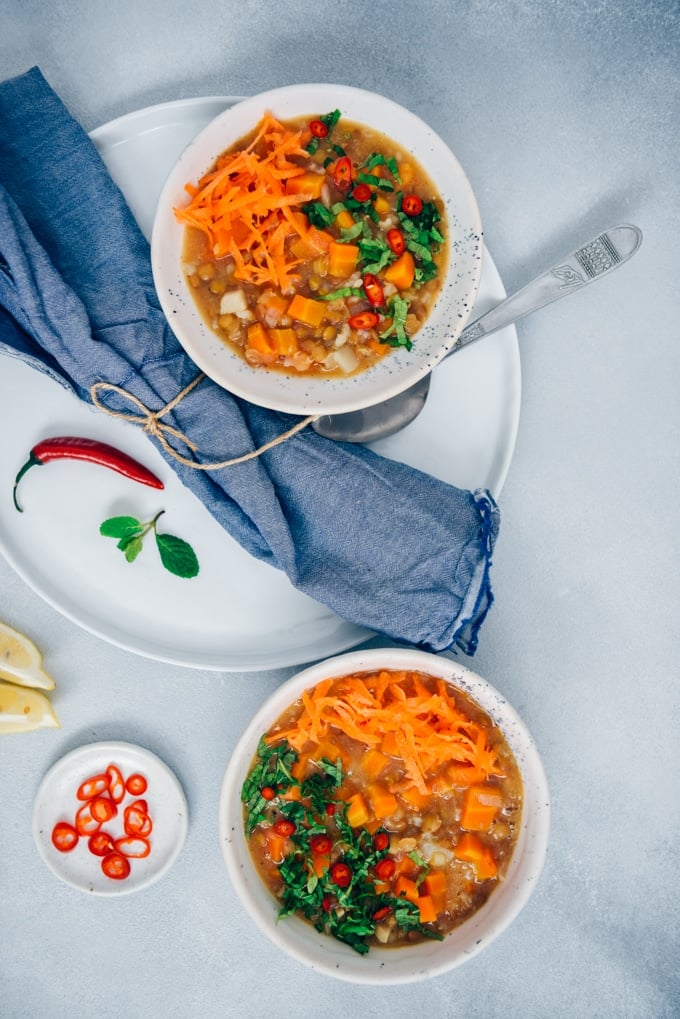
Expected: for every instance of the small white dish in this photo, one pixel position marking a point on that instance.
(292, 392)
(428, 959)
(56, 801)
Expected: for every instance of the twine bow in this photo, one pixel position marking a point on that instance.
(150, 421)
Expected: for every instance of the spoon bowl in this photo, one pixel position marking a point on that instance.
(591, 261)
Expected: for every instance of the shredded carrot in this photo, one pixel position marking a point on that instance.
(243, 208)
(399, 715)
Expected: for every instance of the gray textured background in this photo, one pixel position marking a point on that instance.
(566, 117)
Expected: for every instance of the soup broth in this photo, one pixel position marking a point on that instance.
(383, 808)
(314, 246)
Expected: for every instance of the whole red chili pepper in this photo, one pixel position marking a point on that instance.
(373, 290)
(70, 447)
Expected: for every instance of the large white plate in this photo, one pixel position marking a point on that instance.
(239, 614)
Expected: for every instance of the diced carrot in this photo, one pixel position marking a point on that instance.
(357, 810)
(381, 205)
(299, 769)
(471, 849)
(307, 310)
(373, 763)
(305, 184)
(272, 306)
(311, 243)
(462, 775)
(344, 219)
(292, 793)
(320, 863)
(342, 259)
(435, 886)
(405, 888)
(414, 797)
(402, 271)
(479, 807)
(406, 173)
(276, 846)
(258, 339)
(284, 341)
(382, 801)
(381, 887)
(428, 912)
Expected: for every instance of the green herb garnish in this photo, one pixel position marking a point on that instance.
(177, 556)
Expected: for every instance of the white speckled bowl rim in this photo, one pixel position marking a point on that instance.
(294, 393)
(390, 966)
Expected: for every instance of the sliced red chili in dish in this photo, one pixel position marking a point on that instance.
(136, 785)
(411, 205)
(341, 875)
(100, 844)
(64, 837)
(93, 786)
(103, 808)
(268, 792)
(361, 193)
(381, 841)
(318, 128)
(364, 320)
(381, 913)
(342, 173)
(373, 290)
(284, 827)
(86, 823)
(385, 868)
(134, 846)
(116, 866)
(395, 240)
(136, 821)
(116, 783)
(321, 844)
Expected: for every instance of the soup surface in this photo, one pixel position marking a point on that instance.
(383, 808)
(314, 246)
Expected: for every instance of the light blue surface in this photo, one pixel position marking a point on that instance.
(566, 117)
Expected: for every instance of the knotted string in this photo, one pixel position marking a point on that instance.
(150, 422)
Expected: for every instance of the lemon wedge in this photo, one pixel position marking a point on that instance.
(21, 661)
(22, 709)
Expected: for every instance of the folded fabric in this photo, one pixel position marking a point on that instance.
(383, 545)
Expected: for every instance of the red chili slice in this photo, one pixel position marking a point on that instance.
(116, 783)
(268, 792)
(103, 809)
(136, 785)
(341, 875)
(318, 128)
(86, 823)
(100, 844)
(136, 821)
(411, 205)
(381, 840)
(385, 868)
(64, 837)
(116, 866)
(342, 173)
(330, 809)
(321, 844)
(395, 239)
(284, 827)
(364, 320)
(362, 192)
(373, 290)
(134, 846)
(93, 786)
(381, 913)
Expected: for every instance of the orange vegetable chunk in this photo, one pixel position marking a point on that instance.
(307, 310)
(357, 810)
(342, 259)
(471, 849)
(401, 272)
(480, 805)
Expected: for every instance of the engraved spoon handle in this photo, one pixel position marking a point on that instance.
(600, 256)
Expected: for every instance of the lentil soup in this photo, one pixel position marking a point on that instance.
(314, 246)
(383, 808)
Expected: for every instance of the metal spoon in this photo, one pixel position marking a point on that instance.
(592, 261)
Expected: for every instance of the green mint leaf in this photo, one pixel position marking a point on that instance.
(131, 547)
(120, 527)
(177, 555)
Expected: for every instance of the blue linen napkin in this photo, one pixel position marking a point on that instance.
(383, 545)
